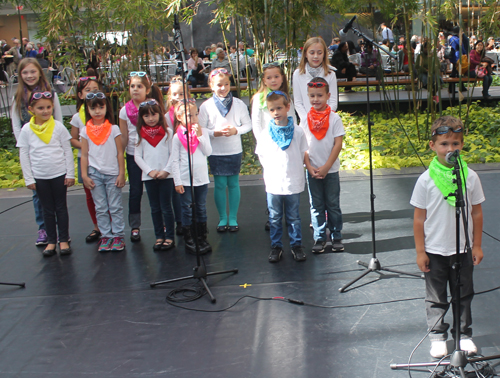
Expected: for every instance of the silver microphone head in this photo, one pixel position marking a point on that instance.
(452, 157)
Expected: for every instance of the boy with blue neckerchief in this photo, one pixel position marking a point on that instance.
(434, 226)
(281, 149)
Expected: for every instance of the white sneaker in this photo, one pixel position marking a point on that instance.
(438, 349)
(467, 345)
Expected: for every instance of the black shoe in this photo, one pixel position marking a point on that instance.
(135, 235)
(178, 229)
(94, 236)
(188, 240)
(319, 246)
(203, 244)
(275, 254)
(267, 227)
(298, 253)
(487, 96)
(337, 245)
(49, 252)
(65, 251)
(221, 228)
(233, 228)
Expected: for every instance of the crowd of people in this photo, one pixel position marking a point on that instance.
(155, 140)
(350, 59)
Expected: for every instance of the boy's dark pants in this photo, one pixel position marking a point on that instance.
(436, 300)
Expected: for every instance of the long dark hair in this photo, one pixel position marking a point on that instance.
(99, 101)
(82, 84)
(483, 51)
(150, 109)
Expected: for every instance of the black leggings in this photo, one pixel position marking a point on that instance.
(350, 73)
(52, 194)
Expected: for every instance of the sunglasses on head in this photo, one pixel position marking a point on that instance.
(138, 73)
(280, 93)
(88, 78)
(98, 95)
(316, 85)
(219, 71)
(39, 95)
(151, 102)
(441, 130)
(271, 64)
(188, 101)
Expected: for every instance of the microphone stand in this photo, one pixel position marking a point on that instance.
(458, 360)
(374, 264)
(22, 284)
(199, 271)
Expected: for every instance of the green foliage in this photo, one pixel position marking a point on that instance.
(11, 174)
(7, 139)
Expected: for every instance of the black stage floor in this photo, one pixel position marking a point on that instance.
(94, 315)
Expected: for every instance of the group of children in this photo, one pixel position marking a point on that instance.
(160, 143)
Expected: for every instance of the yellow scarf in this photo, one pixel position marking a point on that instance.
(81, 113)
(44, 131)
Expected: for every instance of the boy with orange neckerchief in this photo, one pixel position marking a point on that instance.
(324, 132)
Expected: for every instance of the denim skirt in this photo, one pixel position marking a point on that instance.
(226, 165)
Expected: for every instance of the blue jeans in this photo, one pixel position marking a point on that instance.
(324, 195)
(108, 204)
(176, 204)
(160, 201)
(289, 205)
(135, 192)
(200, 195)
(38, 211)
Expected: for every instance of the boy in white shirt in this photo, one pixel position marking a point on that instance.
(281, 149)
(324, 131)
(434, 226)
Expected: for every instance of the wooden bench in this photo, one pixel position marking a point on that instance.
(361, 82)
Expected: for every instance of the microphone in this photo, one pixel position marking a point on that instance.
(348, 26)
(452, 157)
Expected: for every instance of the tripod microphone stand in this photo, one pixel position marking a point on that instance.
(22, 284)
(374, 264)
(458, 360)
(199, 271)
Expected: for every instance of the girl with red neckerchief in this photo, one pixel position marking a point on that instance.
(140, 88)
(103, 169)
(152, 153)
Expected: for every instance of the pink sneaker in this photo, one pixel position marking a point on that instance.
(118, 244)
(105, 245)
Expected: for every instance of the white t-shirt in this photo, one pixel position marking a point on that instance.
(76, 121)
(283, 170)
(440, 224)
(132, 132)
(45, 161)
(210, 118)
(300, 98)
(150, 158)
(261, 117)
(104, 157)
(178, 163)
(320, 150)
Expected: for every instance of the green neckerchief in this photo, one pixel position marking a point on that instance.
(263, 99)
(443, 178)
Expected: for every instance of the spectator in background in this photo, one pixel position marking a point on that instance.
(387, 34)
(480, 66)
(25, 42)
(490, 44)
(340, 61)
(213, 52)
(221, 60)
(30, 51)
(205, 54)
(369, 61)
(403, 57)
(44, 63)
(334, 45)
(361, 45)
(196, 70)
(16, 57)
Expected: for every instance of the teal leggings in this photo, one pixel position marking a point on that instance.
(233, 185)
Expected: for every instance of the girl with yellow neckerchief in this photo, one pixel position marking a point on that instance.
(48, 167)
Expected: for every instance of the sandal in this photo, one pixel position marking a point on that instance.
(167, 244)
(158, 245)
